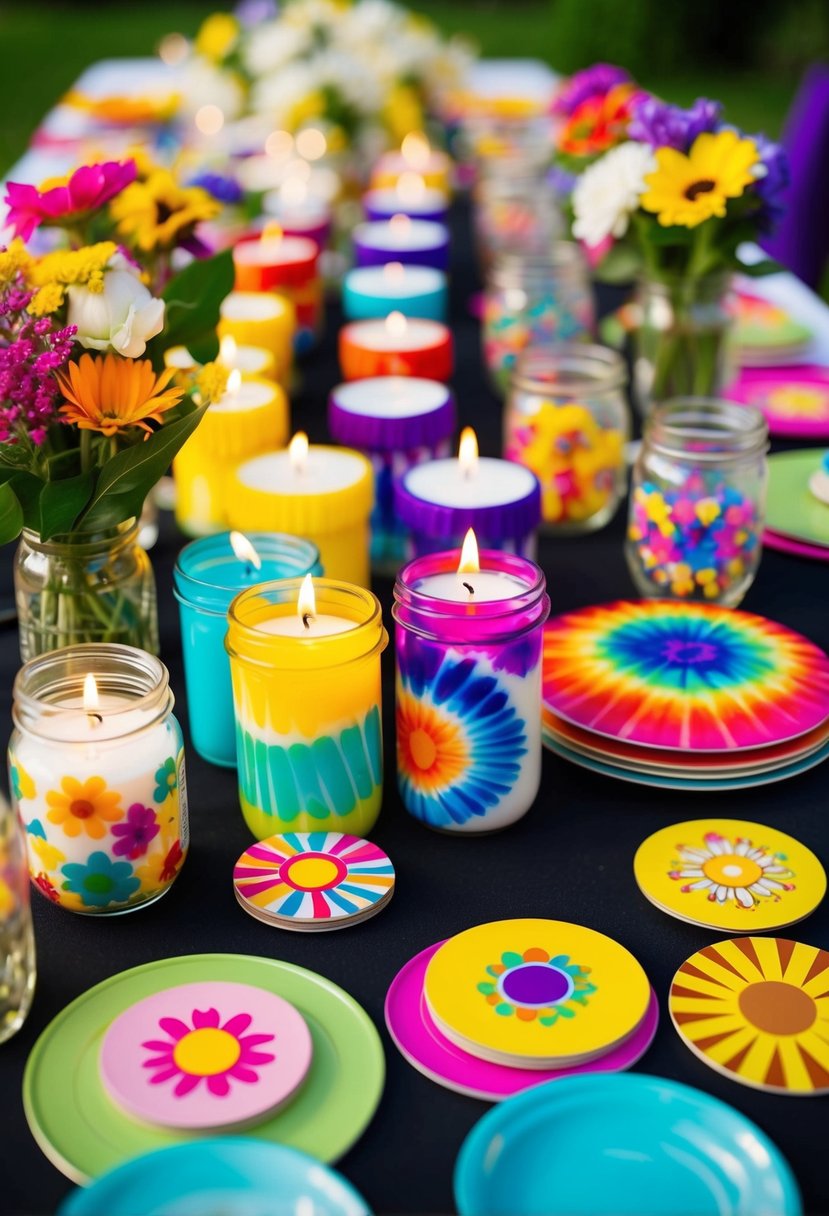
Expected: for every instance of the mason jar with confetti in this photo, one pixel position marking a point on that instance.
(534, 300)
(568, 421)
(697, 503)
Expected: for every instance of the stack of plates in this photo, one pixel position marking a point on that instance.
(765, 334)
(794, 400)
(507, 1005)
(684, 696)
(797, 518)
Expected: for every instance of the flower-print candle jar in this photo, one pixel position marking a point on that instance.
(697, 503)
(534, 300)
(567, 419)
(469, 689)
(96, 764)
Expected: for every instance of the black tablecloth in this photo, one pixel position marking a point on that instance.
(570, 858)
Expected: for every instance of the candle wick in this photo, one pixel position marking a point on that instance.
(94, 719)
(307, 617)
(469, 588)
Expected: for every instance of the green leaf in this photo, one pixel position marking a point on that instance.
(64, 464)
(621, 264)
(126, 479)
(757, 270)
(11, 515)
(62, 501)
(205, 349)
(27, 489)
(193, 299)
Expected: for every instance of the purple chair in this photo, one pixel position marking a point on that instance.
(801, 239)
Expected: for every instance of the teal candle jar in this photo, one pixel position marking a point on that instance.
(209, 574)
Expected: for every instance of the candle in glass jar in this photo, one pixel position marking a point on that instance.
(396, 346)
(375, 291)
(468, 713)
(261, 319)
(415, 156)
(97, 774)
(401, 239)
(298, 212)
(305, 664)
(411, 196)
(322, 493)
(439, 501)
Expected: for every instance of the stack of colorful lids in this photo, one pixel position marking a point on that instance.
(684, 696)
(507, 1005)
(797, 507)
(765, 334)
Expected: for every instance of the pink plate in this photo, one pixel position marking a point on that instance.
(794, 399)
(418, 1039)
(798, 548)
(208, 1055)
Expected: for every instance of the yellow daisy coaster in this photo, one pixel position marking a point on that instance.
(757, 1010)
(729, 874)
(535, 993)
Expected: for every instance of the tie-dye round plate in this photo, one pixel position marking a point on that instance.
(794, 400)
(688, 677)
(757, 1010)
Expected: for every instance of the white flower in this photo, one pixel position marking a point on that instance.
(121, 317)
(274, 46)
(609, 190)
(202, 84)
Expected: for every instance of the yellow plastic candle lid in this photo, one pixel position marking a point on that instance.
(535, 993)
(729, 874)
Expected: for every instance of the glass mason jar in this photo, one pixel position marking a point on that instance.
(567, 419)
(97, 777)
(515, 213)
(534, 301)
(698, 501)
(85, 587)
(681, 344)
(17, 943)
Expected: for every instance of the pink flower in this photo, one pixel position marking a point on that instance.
(177, 1057)
(87, 189)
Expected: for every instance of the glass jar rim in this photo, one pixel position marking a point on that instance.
(580, 367)
(39, 689)
(84, 544)
(717, 429)
(214, 598)
(559, 257)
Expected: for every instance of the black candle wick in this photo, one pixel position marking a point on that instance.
(307, 617)
(95, 718)
(469, 588)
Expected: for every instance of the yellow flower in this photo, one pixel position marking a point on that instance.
(217, 36)
(49, 854)
(46, 300)
(110, 394)
(211, 381)
(156, 213)
(304, 110)
(13, 260)
(87, 806)
(687, 190)
(66, 267)
(707, 510)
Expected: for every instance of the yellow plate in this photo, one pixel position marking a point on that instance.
(537, 993)
(729, 874)
(757, 1010)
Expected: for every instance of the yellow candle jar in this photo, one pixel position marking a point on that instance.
(251, 417)
(255, 318)
(324, 494)
(307, 701)
(251, 361)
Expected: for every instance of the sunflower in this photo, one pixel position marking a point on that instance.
(687, 190)
(158, 213)
(109, 394)
(86, 806)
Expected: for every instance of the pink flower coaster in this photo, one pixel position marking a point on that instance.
(208, 1055)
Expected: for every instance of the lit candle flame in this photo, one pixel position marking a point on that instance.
(91, 702)
(298, 451)
(228, 350)
(470, 562)
(468, 452)
(399, 225)
(272, 231)
(306, 604)
(234, 382)
(411, 188)
(393, 272)
(396, 324)
(416, 150)
(244, 550)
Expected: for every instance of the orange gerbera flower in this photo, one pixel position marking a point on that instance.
(110, 394)
(86, 806)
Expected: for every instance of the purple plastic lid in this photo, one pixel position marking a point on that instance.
(492, 522)
(391, 413)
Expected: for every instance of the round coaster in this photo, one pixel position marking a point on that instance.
(729, 874)
(695, 677)
(757, 1010)
(206, 1055)
(419, 1041)
(795, 400)
(313, 880)
(535, 993)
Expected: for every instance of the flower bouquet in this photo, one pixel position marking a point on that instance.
(89, 418)
(669, 207)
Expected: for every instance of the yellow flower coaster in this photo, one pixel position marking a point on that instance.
(535, 993)
(729, 874)
(757, 1010)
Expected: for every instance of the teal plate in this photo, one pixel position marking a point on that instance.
(628, 1144)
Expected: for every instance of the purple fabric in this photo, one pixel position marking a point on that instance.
(662, 125)
(402, 434)
(801, 239)
(505, 521)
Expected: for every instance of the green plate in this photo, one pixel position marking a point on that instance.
(84, 1134)
(791, 507)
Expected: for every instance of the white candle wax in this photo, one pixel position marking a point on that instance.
(397, 238)
(377, 335)
(67, 720)
(274, 251)
(488, 586)
(299, 216)
(248, 396)
(251, 306)
(401, 202)
(391, 396)
(324, 471)
(399, 284)
(430, 160)
(492, 483)
(250, 360)
(293, 626)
